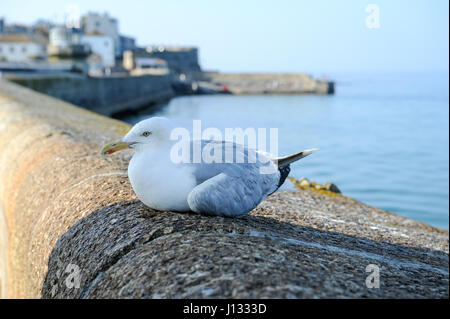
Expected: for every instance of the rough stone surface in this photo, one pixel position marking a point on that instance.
(74, 228)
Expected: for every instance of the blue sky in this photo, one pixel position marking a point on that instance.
(276, 36)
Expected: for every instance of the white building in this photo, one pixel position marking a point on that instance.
(59, 36)
(95, 23)
(101, 45)
(22, 47)
(65, 43)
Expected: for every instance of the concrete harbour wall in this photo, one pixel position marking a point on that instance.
(104, 95)
(270, 83)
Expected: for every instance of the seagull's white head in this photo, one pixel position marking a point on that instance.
(145, 134)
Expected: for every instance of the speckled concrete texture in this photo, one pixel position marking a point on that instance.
(73, 228)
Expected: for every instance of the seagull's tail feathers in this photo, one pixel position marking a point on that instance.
(286, 160)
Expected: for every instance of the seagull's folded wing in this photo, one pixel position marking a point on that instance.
(232, 193)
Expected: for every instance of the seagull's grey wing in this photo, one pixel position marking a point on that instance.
(227, 156)
(233, 192)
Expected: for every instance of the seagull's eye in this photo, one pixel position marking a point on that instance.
(146, 133)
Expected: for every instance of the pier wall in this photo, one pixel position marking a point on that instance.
(105, 95)
(270, 83)
(71, 227)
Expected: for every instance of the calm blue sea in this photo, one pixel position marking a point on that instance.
(383, 138)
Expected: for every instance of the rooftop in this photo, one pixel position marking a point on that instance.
(23, 38)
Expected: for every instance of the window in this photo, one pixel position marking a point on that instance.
(24, 49)
(11, 49)
(106, 43)
(1, 49)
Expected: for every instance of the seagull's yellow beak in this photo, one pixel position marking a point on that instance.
(114, 147)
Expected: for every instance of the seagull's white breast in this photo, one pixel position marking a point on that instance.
(159, 183)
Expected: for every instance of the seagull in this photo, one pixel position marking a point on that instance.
(220, 187)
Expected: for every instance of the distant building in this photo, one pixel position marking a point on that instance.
(43, 26)
(151, 63)
(181, 60)
(103, 46)
(65, 47)
(126, 44)
(73, 44)
(142, 60)
(95, 23)
(65, 43)
(22, 47)
(128, 60)
(59, 37)
(17, 28)
(95, 64)
(2, 25)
